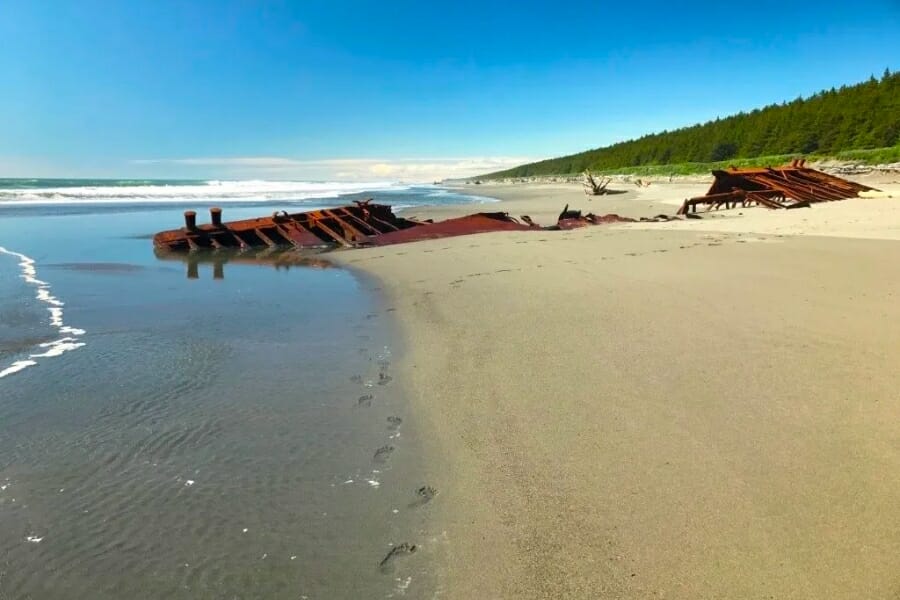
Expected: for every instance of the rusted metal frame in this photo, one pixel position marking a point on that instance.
(286, 230)
(371, 216)
(345, 224)
(317, 223)
(785, 187)
(241, 242)
(830, 188)
(840, 192)
(763, 200)
(820, 193)
(269, 242)
(836, 181)
(349, 214)
(280, 226)
(710, 200)
(827, 192)
(797, 189)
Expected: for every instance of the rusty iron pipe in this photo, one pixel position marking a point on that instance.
(215, 215)
(190, 220)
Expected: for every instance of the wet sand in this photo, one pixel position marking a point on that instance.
(657, 410)
(222, 426)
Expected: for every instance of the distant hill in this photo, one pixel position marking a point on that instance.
(856, 117)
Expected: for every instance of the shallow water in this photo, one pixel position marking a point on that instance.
(223, 432)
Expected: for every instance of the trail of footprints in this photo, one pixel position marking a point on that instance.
(706, 240)
(382, 455)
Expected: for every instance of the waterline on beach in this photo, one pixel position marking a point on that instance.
(71, 335)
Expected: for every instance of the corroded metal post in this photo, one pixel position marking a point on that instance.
(215, 214)
(190, 220)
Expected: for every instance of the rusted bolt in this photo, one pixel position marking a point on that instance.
(215, 214)
(190, 219)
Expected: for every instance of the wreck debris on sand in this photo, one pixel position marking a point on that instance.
(790, 186)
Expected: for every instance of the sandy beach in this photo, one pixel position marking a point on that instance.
(693, 409)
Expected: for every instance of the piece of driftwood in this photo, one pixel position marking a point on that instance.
(594, 187)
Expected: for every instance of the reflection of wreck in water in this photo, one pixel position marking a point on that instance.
(280, 258)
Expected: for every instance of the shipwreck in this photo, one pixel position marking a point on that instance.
(359, 225)
(790, 186)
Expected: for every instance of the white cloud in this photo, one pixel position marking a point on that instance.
(414, 169)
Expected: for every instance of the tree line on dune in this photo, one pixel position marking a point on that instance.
(854, 117)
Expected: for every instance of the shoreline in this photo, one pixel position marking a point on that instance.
(628, 411)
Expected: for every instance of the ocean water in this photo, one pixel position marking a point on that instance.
(219, 427)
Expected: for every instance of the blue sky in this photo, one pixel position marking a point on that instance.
(411, 90)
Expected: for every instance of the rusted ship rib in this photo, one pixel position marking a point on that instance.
(789, 186)
(359, 225)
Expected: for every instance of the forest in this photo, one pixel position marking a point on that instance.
(831, 123)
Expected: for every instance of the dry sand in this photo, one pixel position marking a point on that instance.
(704, 409)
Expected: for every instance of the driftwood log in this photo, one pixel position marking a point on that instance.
(594, 187)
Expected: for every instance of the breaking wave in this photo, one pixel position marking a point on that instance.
(200, 191)
(69, 336)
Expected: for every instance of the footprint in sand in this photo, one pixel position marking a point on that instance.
(387, 563)
(365, 400)
(382, 455)
(384, 378)
(394, 423)
(356, 378)
(424, 495)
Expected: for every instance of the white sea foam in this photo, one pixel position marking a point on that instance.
(69, 341)
(403, 585)
(211, 191)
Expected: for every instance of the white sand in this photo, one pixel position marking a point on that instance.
(659, 410)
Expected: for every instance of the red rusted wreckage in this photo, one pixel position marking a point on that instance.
(354, 226)
(790, 186)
